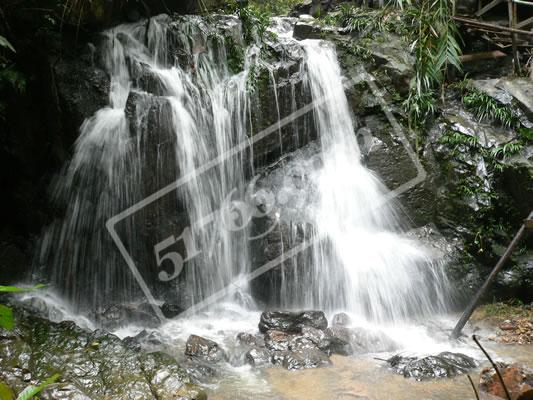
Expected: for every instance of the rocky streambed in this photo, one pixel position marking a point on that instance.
(232, 354)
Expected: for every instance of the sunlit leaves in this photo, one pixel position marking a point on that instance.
(6, 317)
(32, 391)
(14, 289)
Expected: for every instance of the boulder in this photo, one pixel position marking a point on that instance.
(317, 337)
(170, 310)
(443, 365)
(250, 339)
(307, 28)
(199, 370)
(118, 315)
(258, 357)
(288, 321)
(278, 340)
(392, 55)
(340, 340)
(517, 379)
(305, 358)
(348, 341)
(341, 319)
(204, 349)
(144, 340)
(301, 343)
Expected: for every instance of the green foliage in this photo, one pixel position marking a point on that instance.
(255, 20)
(513, 308)
(436, 47)
(31, 391)
(10, 77)
(499, 154)
(367, 21)
(420, 105)
(258, 77)
(6, 317)
(235, 55)
(5, 44)
(455, 139)
(525, 133)
(6, 313)
(433, 34)
(5, 392)
(14, 289)
(275, 7)
(485, 107)
(359, 49)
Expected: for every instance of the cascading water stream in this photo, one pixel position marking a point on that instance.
(171, 113)
(168, 115)
(363, 263)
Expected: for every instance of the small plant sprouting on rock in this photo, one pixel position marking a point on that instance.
(485, 107)
(507, 150)
(6, 313)
(455, 139)
(436, 47)
(255, 20)
(525, 133)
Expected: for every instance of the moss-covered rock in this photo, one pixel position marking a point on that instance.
(91, 364)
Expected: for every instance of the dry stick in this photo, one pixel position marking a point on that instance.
(474, 337)
(473, 387)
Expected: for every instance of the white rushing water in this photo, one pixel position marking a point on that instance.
(363, 263)
(174, 106)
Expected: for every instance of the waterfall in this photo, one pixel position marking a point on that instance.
(363, 262)
(168, 114)
(174, 106)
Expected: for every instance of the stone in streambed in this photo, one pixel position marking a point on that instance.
(292, 322)
(170, 310)
(341, 319)
(340, 339)
(258, 357)
(517, 379)
(204, 349)
(443, 365)
(305, 358)
(278, 340)
(249, 339)
(347, 341)
(317, 336)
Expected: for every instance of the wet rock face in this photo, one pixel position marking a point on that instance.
(301, 345)
(91, 364)
(341, 319)
(348, 341)
(286, 321)
(116, 316)
(517, 379)
(306, 358)
(258, 357)
(204, 349)
(444, 365)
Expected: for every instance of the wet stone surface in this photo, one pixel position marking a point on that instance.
(92, 365)
(287, 321)
(443, 365)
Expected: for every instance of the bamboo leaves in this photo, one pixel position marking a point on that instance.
(5, 43)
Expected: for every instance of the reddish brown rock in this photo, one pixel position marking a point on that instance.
(517, 379)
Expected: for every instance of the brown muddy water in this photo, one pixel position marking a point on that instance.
(360, 377)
